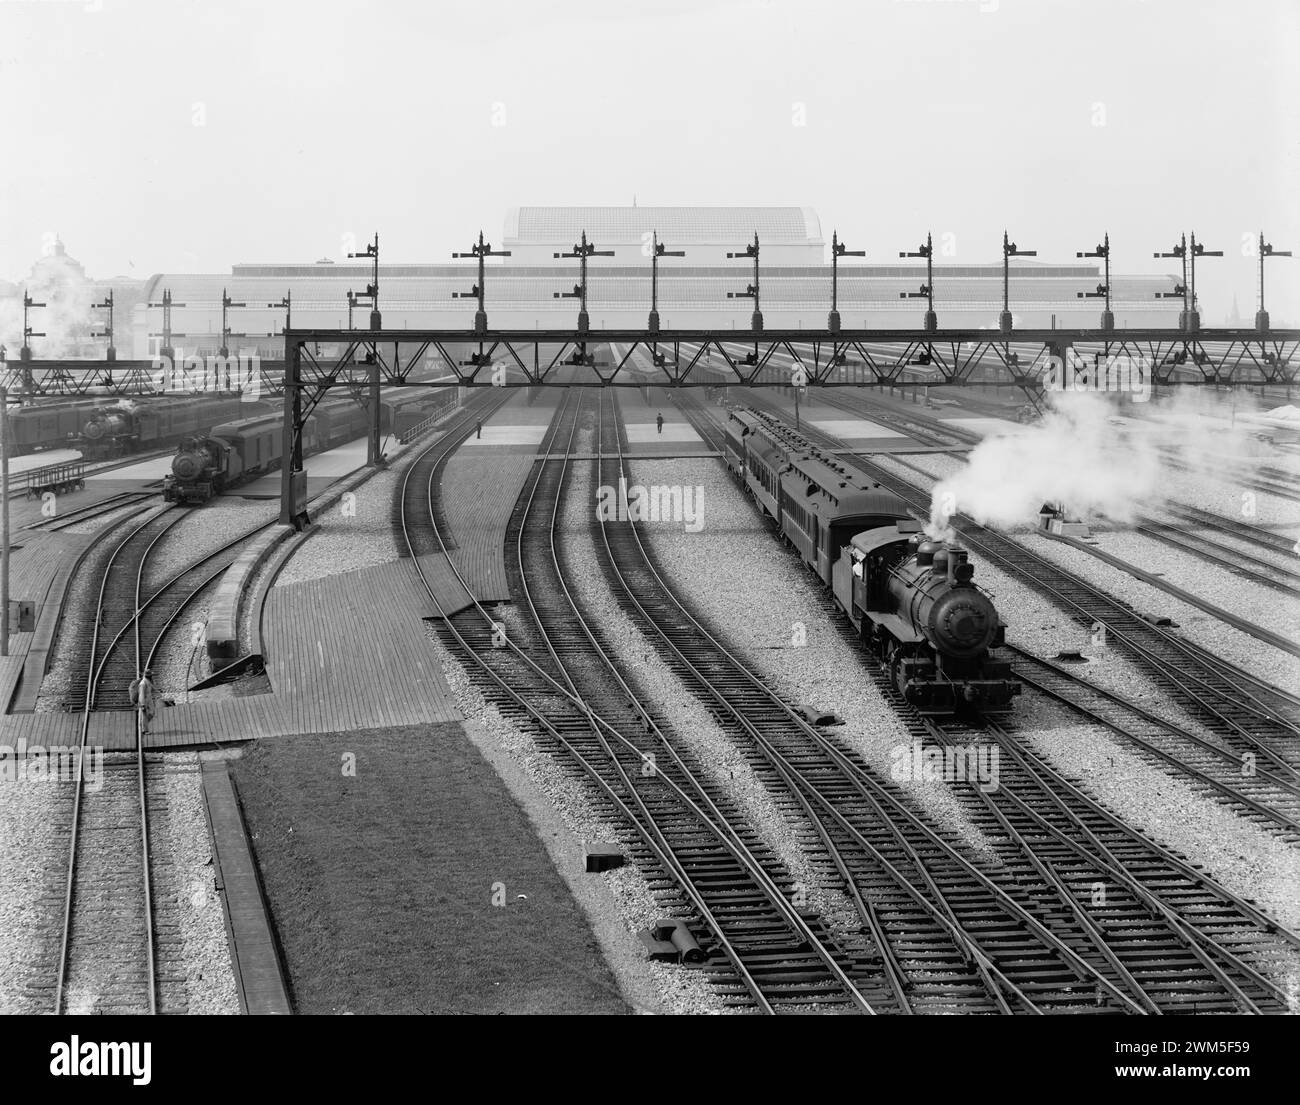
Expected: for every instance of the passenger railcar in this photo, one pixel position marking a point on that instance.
(48, 425)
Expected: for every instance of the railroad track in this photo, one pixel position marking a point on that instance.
(107, 961)
(1266, 795)
(706, 869)
(1169, 940)
(1246, 532)
(93, 511)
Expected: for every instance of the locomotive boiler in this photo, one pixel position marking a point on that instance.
(916, 601)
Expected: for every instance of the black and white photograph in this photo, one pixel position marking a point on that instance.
(664, 507)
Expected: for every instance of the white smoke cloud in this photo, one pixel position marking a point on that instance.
(66, 320)
(1075, 455)
(1095, 457)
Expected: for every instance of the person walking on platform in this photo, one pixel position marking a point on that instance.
(660, 422)
(478, 431)
(142, 697)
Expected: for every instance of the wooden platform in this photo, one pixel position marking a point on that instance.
(259, 980)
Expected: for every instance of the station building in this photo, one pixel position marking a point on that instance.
(795, 284)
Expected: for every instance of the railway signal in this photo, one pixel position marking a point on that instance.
(372, 289)
(838, 250)
(108, 326)
(751, 290)
(287, 304)
(480, 250)
(25, 353)
(167, 303)
(226, 334)
(658, 250)
(1009, 250)
(1103, 289)
(927, 289)
(1265, 250)
(581, 252)
(1180, 289)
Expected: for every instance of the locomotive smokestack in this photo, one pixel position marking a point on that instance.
(960, 569)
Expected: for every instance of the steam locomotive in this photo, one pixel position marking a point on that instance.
(913, 599)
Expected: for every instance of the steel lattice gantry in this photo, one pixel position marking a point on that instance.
(358, 360)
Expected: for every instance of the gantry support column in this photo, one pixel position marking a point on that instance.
(293, 479)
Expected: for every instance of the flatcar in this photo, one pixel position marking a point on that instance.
(912, 599)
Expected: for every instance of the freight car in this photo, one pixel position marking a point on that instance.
(912, 599)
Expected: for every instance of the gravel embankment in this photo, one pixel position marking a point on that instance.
(739, 579)
(33, 869)
(356, 532)
(185, 891)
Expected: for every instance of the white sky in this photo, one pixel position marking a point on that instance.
(322, 118)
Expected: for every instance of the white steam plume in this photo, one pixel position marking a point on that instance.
(1095, 457)
(1074, 455)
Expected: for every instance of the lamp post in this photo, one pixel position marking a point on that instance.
(581, 251)
(1265, 250)
(1009, 250)
(479, 291)
(927, 289)
(658, 250)
(1103, 290)
(751, 290)
(838, 250)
